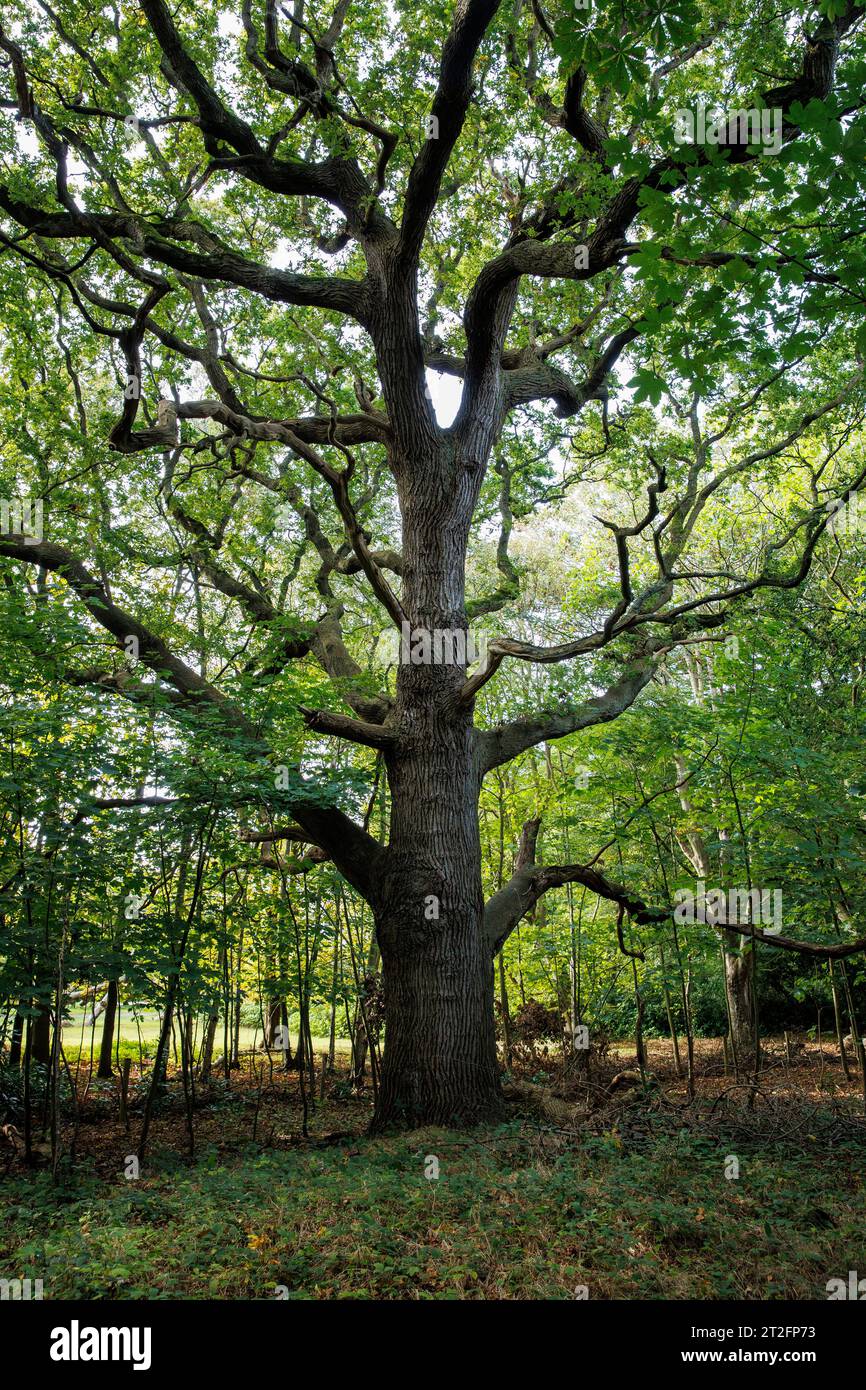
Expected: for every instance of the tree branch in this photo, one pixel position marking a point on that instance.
(506, 741)
(450, 104)
(356, 853)
(531, 881)
(323, 721)
(153, 652)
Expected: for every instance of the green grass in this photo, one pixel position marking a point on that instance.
(78, 1042)
(505, 1219)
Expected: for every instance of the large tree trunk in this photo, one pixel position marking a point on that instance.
(739, 988)
(439, 1064)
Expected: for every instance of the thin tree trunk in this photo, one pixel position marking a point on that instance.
(504, 1013)
(678, 1067)
(236, 1028)
(837, 1018)
(638, 1023)
(856, 1035)
(206, 1064)
(332, 1033)
(16, 1039)
(104, 1070)
(739, 990)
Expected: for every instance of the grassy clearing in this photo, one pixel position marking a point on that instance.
(81, 1038)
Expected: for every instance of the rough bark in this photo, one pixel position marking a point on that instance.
(739, 988)
(439, 1064)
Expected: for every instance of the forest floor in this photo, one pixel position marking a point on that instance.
(602, 1191)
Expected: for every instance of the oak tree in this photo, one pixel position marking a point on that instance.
(258, 233)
